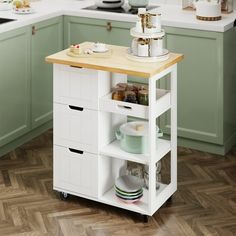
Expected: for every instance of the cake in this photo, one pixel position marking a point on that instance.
(75, 48)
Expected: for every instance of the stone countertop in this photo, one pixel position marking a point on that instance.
(172, 15)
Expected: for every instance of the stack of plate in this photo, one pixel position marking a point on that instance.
(128, 188)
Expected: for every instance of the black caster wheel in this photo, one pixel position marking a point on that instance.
(169, 200)
(64, 196)
(145, 218)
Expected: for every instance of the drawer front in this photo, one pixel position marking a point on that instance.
(76, 171)
(79, 86)
(76, 127)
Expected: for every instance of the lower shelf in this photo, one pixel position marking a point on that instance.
(140, 207)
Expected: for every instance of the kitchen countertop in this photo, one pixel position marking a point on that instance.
(172, 15)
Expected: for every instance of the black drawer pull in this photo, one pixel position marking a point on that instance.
(125, 107)
(76, 151)
(76, 108)
(77, 67)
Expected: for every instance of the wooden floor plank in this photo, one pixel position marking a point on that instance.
(205, 203)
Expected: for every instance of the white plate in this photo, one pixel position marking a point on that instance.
(136, 34)
(23, 11)
(165, 56)
(99, 50)
(129, 183)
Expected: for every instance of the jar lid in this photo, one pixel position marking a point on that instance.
(130, 93)
(135, 128)
(118, 89)
(122, 85)
(143, 92)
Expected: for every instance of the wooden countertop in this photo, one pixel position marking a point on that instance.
(117, 62)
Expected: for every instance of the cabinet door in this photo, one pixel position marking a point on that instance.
(14, 84)
(75, 171)
(200, 84)
(46, 40)
(79, 29)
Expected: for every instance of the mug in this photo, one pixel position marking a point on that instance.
(156, 21)
(156, 47)
(99, 46)
(143, 50)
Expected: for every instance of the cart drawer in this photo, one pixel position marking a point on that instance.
(80, 86)
(76, 127)
(75, 170)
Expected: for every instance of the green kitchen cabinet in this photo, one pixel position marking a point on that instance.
(80, 29)
(14, 84)
(47, 39)
(26, 81)
(206, 78)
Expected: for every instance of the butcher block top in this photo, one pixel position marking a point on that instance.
(117, 62)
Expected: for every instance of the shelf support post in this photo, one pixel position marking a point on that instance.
(174, 128)
(152, 142)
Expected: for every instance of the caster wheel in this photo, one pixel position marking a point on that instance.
(170, 199)
(64, 196)
(145, 218)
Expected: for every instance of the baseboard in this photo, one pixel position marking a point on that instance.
(25, 138)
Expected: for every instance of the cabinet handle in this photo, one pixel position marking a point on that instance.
(76, 151)
(77, 67)
(124, 107)
(109, 26)
(33, 30)
(76, 108)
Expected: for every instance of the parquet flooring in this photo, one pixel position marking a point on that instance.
(205, 203)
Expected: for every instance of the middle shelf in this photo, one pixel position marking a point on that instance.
(163, 103)
(113, 150)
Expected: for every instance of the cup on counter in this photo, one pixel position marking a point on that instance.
(156, 22)
(99, 47)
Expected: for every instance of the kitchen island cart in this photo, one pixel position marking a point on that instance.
(87, 158)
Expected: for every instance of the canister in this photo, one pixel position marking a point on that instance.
(118, 94)
(156, 47)
(143, 49)
(143, 97)
(156, 21)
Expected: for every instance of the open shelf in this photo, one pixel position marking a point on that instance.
(113, 150)
(141, 206)
(163, 103)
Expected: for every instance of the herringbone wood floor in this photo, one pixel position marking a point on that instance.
(205, 203)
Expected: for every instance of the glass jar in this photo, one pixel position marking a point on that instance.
(143, 97)
(122, 85)
(130, 96)
(118, 94)
(133, 88)
(158, 175)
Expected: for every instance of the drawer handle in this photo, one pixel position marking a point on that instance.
(76, 108)
(124, 107)
(76, 151)
(77, 67)
(109, 26)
